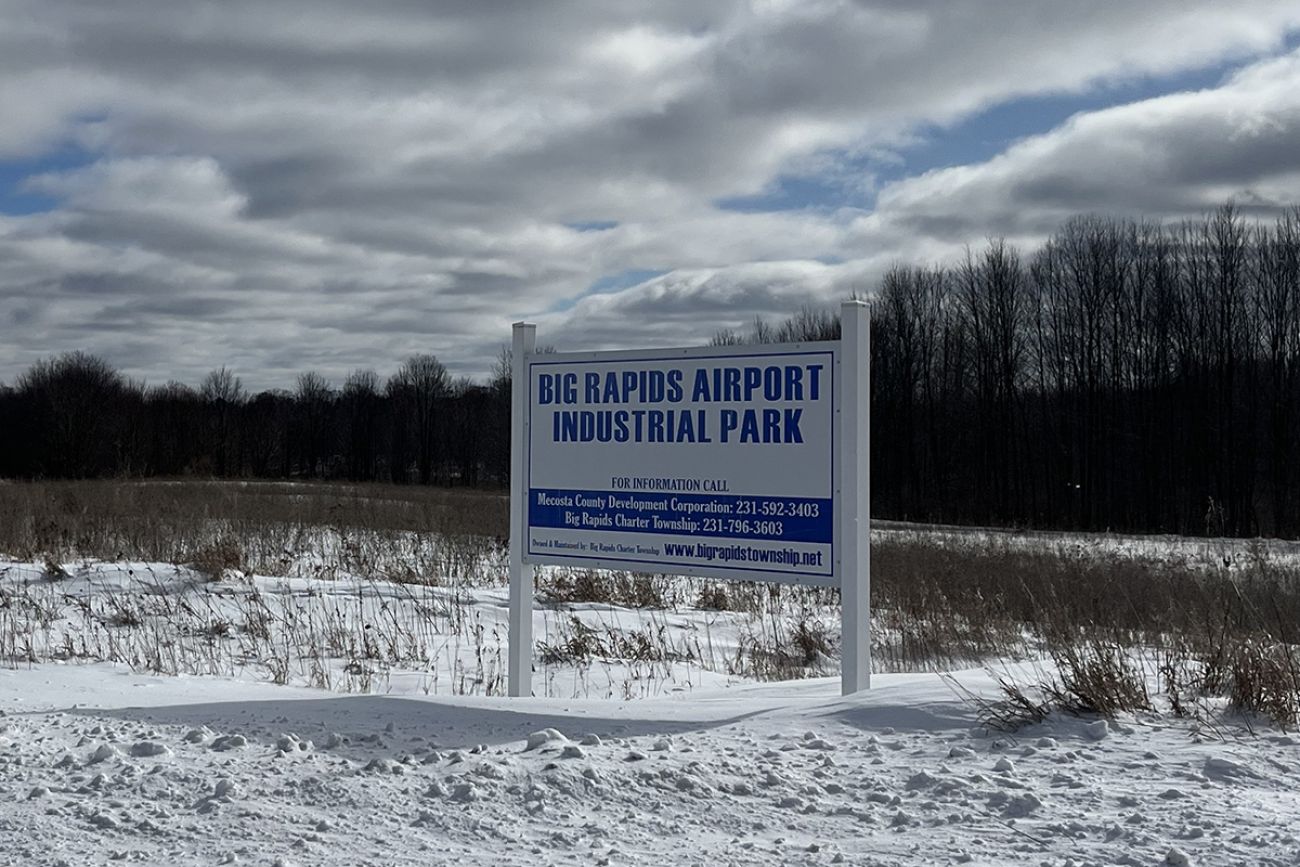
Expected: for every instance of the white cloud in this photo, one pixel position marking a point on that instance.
(332, 184)
(1171, 156)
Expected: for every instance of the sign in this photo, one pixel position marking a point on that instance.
(738, 462)
(716, 462)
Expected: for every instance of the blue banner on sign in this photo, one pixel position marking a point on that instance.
(788, 519)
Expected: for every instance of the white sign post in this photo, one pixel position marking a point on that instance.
(520, 666)
(853, 497)
(738, 462)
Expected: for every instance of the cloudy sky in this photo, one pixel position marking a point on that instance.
(328, 184)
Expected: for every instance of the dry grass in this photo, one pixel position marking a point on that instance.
(562, 586)
(172, 622)
(403, 533)
(1122, 634)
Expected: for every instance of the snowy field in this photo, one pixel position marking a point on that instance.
(1198, 552)
(347, 710)
(362, 635)
(99, 765)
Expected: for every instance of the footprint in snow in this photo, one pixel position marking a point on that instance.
(1217, 766)
(465, 792)
(1022, 805)
(291, 743)
(920, 780)
(384, 766)
(1097, 730)
(545, 737)
(103, 753)
(103, 821)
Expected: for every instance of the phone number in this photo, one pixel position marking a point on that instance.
(738, 526)
(778, 508)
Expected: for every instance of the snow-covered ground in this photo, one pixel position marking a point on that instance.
(322, 717)
(1198, 552)
(98, 764)
(352, 634)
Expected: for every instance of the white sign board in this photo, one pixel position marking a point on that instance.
(718, 462)
(740, 462)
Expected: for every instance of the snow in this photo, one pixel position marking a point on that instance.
(386, 742)
(346, 633)
(1198, 553)
(99, 764)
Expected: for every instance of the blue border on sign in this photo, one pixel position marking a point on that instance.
(682, 355)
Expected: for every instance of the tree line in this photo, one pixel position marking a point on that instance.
(1126, 375)
(75, 416)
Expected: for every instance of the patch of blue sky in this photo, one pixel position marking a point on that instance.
(797, 193)
(973, 139)
(593, 225)
(16, 196)
(985, 135)
(608, 284)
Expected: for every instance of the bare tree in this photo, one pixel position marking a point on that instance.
(1277, 301)
(73, 401)
(994, 295)
(361, 406)
(313, 399)
(223, 395)
(417, 390)
(175, 413)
